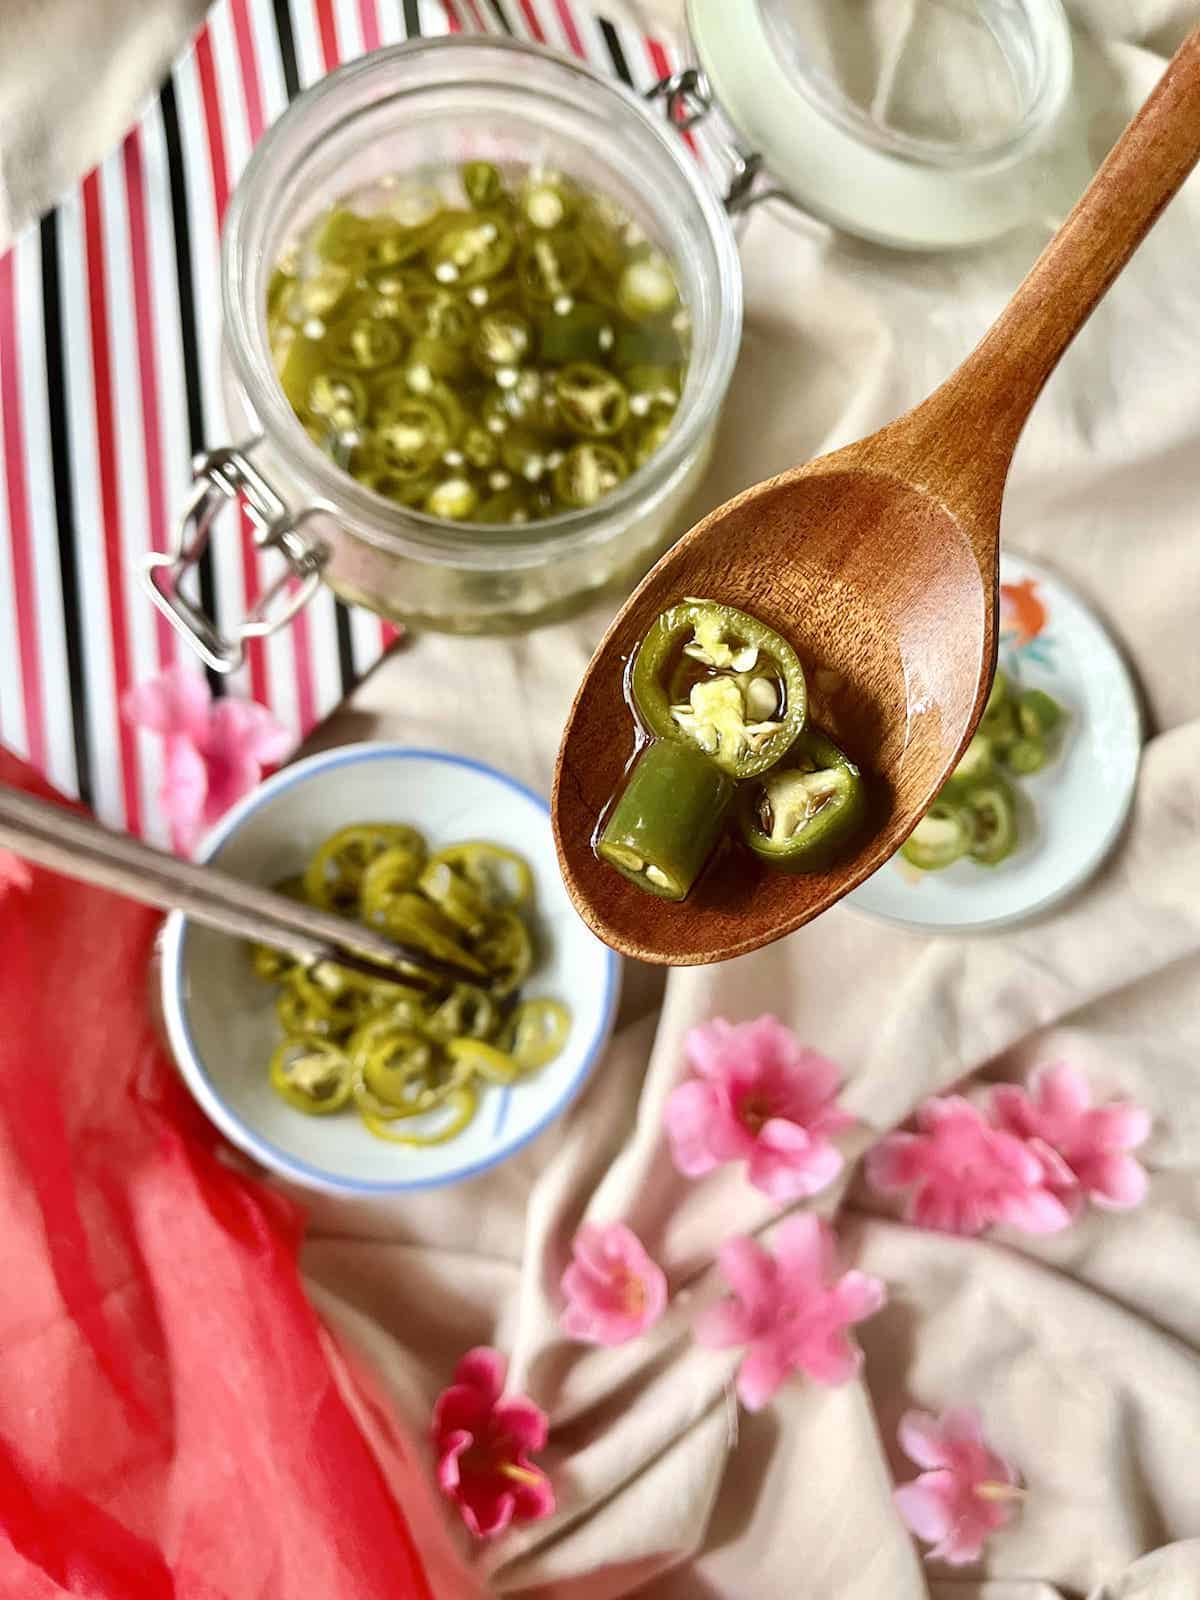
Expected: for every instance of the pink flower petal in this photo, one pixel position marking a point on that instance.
(760, 1376)
(687, 1118)
(1115, 1182)
(927, 1506)
(1119, 1126)
(707, 1047)
(749, 1271)
(1060, 1090)
(962, 1545)
(177, 702)
(829, 1358)
(963, 1425)
(184, 791)
(522, 1423)
(857, 1296)
(723, 1325)
(484, 1369)
(895, 1162)
(460, 1409)
(787, 1164)
(1037, 1211)
(804, 1246)
(920, 1436)
(243, 729)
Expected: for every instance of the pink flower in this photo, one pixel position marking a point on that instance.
(968, 1491)
(215, 752)
(482, 1445)
(15, 873)
(760, 1097)
(790, 1309)
(962, 1174)
(1083, 1148)
(614, 1290)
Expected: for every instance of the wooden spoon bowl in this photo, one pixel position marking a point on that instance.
(880, 564)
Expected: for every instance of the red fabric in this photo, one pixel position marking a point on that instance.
(170, 1427)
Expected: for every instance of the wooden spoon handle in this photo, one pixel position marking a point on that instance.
(969, 427)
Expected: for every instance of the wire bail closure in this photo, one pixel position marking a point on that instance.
(222, 478)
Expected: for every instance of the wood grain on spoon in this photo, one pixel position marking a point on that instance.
(879, 563)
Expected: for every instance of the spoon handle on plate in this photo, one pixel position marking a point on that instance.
(976, 417)
(76, 846)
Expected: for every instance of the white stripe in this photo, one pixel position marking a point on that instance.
(391, 22)
(366, 638)
(39, 472)
(129, 448)
(322, 624)
(309, 61)
(280, 653)
(226, 540)
(434, 21)
(349, 30)
(12, 705)
(168, 348)
(270, 62)
(103, 731)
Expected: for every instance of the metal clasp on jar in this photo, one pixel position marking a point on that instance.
(689, 100)
(224, 479)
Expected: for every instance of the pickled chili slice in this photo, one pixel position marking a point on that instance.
(802, 813)
(665, 822)
(942, 837)
(536, 1033)
(720, 680)
(461, 1102)
(501, 877)
(312, 1075)
(991, 809)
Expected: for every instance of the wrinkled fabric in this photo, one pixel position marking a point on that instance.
(174, 1422)
(1080, 1349)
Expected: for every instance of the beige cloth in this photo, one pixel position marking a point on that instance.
(1080, 1349)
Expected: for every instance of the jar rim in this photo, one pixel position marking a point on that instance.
(374, 518)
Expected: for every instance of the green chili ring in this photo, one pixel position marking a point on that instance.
(802, 813)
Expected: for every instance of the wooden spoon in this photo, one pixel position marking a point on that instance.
(880, 564)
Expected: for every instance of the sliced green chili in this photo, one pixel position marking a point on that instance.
(664, 823)
(802, 813)
(722, 681)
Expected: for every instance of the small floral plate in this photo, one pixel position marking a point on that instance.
(1072, 811)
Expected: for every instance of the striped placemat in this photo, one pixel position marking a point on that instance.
(109, 385)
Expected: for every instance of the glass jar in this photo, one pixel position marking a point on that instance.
(428, 105)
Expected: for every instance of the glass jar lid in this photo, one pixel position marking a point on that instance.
(920, 123)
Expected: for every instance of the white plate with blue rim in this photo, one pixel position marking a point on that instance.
(1073, 810)
(221, 1019)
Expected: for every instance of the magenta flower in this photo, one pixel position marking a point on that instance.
(790, 1309)
(15, 874)
(215, 752)
(967, 1491)
(483, 1445)
(760, 1097)
(614, 1290)
(961, 1174)
(1084, 1149)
